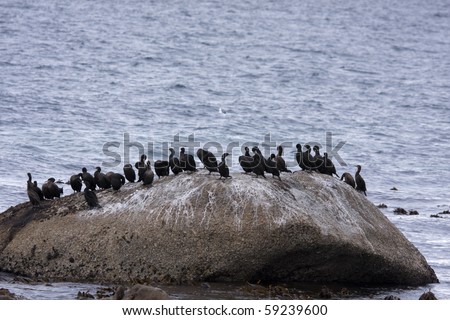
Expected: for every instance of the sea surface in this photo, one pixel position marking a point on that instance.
(96, 83)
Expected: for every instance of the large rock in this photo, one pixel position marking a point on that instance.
(193, 227)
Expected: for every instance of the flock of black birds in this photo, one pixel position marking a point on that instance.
(256, 163)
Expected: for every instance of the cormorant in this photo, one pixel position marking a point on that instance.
(116, 180)
(35, 187)
(208, 159)
(271, 165)
(90, 196)
(174, 162)
(348, 179)
(101, 180)
(32, 194)
(141, 166)
(50, 190)
(246, 161)
(258, 165)
(38, 190)
(148, 176)
(318, 162)
(76, 183)
(281, 164)
(161, 168)
(328, 166)
(187, 161)
(360, 183)
(87, 177)
(304, 158)
(224, 171)
(129, 172)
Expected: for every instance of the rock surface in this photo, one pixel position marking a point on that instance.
(193, 227)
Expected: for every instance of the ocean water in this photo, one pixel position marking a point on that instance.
(96, 83)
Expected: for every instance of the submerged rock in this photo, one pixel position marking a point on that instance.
(143, 292)
(428, 296)
(193, 227)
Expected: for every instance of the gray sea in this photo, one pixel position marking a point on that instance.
(96, 83)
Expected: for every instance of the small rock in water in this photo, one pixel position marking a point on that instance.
(5, 294)
(391, 297)
(382, 206)
(84, 296)
(394, 189)
(428, 296)
(435, 216)
(142, 292)
(400, 211)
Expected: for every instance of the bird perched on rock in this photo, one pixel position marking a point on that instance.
(35, 187)
(328, 166)
(187, 161)
(87, 177)
(50, 189)
(304, 158)
(246, 161)
(224, 171)
(360, 183)
(101, 180)
(161, 168)
(115, 180)
(129, 172)
(348, 179)
(258, 165)
(148, 175)
(90, 196)
(76, 183)
(32, 194)
(281, 164)
(174, 162)
(208, 159)
(141, 166)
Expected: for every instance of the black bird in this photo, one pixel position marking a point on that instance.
(35, 187)
(50, 189)
(162, 168)
(299, 156)
(246, 161)
(141, 167)
(360, 183)
(129, 172)
(116, 180)
(75, 182)
(90, 196)
(281, 164)
(271, 166)
(348, 179)
(258, 165)
(38, 190)
(304, 158)
(208, 159)
(187, 161)
(87, 177)
(31, 192)
(318, 162)
(174, 162)
(101, 180)
(148, 176)
(224, 171)
(328, 166)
